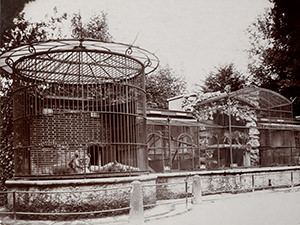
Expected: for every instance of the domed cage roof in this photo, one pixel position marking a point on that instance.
(267, 103)
(265, 98)
(78, 61)
(256, 97)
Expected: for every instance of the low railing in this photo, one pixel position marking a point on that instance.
(17, 201)
(188, 192)
(15, 212)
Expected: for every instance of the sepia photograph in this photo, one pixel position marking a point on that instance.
(149, 112)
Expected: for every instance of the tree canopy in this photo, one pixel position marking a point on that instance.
(24, 32)
(9, 10)
(96, 28)
(161, 85)
(275, 51)
(224, 76)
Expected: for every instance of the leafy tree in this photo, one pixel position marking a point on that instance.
(9, 10)
(224, 76)
(261, 46)
(275, 49)
(96, 27)
(161, 85)
(24, 32)
(6, 131)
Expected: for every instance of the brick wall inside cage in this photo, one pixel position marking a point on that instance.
(112, 137)
(110, 140)
(55, 138)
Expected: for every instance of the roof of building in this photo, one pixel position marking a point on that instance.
(257, 97)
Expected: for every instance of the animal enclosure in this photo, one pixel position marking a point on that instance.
(247, 128)
(79, 107)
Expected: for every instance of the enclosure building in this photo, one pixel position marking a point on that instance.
(251, 127)
(78, 107)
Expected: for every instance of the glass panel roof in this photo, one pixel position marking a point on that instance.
(256, 97)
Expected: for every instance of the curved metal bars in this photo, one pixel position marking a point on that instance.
(31, 49)
(72, 66)
(266, 98)
(147, 59)
(255, 96)
(9, 61)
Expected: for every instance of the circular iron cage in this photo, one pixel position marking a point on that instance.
(79, 107)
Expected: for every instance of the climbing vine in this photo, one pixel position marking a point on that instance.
(205, 106)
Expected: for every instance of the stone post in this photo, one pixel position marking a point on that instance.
(196, 188)
(247, 159)
(136, 214)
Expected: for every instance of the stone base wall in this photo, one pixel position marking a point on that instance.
(172, 185)
(86, 195)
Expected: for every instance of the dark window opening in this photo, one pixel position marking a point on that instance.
(95, 155)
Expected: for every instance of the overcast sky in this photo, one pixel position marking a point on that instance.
(192, 36)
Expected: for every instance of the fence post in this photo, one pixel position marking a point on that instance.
(186, 191)
(14, 206)
(136, 214)
(253, 184)
(197, 192)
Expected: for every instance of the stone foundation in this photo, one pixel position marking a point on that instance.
(84, 195)
(171, 185)
(91, 195)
